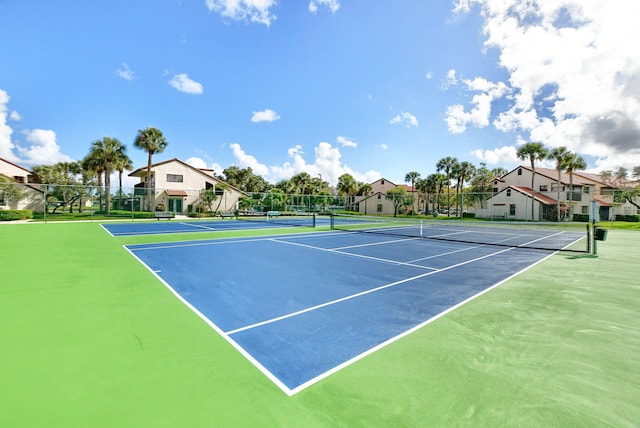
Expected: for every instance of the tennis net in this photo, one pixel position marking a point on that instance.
(272, 218)
(574, 237)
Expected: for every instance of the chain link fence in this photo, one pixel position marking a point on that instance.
(49, 201)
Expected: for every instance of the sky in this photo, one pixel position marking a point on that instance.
(374, 88)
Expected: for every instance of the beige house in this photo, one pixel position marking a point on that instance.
(512, 196)
(377, 203)
(29, 196)
(176, 186)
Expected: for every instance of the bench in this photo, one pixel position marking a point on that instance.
(227, 214)
(164, 214)
(273, 213)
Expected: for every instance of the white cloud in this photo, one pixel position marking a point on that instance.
(346, 142)
(498, 156)
(6, 146)
(41, 147)
(333, 5)
(407, 118)
(429, 75)
(384, 146)
(573, 73)
(252, 10)
(327, 162)
(125, 72)
(14, 115)
(183, 83)
(200, 163)
(267, 115)
(458, 119)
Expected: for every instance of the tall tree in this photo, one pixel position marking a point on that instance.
(422, 186)
(121, 164)
(464, 171)
(561, 155)
(532, 151)
(109, 151)
(347, 186)
(398, 195)
(152, 141)
(62, 182)
(573, 163)
(435, 182)
(636, 172)
(411, 177)
(448, 165)
(365, 190)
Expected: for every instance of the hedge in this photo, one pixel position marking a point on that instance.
(6, 215)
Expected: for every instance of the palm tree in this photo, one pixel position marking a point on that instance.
(574, 163)
(347, 186)
(464, 171)
(534, 152)
(561, 155)
(364, 190)
(107, 152)
(152, 141)
(435, 183)
(448, 165)
(94, 165)
(121, 164)
(422, 186)
(411, 177)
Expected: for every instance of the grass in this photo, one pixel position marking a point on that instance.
(91, 338)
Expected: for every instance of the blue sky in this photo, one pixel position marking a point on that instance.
(371, 88)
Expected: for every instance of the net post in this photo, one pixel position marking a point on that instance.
(331, 221)
(314, 219)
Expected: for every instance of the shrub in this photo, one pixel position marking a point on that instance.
(631, 218)
(581, 217)
(6, 215)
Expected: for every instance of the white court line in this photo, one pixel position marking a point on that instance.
(360, 256)
(195, 225)
(363, 293)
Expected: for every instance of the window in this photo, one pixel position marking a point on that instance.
(379, 208)
(586, 189)
(585, 209)
(174, 178)
(512, 209)
(495, 190)
(2, 198)
(544, 188)
(379, 196)
(520, 171)
(508, 192)
(382, 182)
(18, 179)
(554, 187)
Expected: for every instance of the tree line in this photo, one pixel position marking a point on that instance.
(70, 182)
(107, 155)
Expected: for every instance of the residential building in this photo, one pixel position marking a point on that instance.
(512, 196)
(176, 186)
(30, 197)
(377, 203)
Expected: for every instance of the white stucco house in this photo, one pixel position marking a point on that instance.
(512, 196)
(377, 203)
(31, 196)
(176, 185)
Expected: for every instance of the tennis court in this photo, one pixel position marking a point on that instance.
(215, 225)
(92, 337)
(301, 306)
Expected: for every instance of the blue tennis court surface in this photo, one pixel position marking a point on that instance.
(300, 307)
(177, 226)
